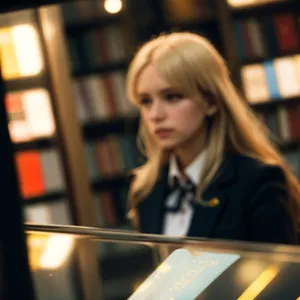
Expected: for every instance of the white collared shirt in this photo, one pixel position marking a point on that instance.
(178, 223)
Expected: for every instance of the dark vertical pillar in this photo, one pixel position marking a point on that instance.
(15, 272)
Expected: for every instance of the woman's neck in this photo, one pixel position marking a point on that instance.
(190, 150)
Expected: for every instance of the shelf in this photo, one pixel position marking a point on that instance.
(112, 182)
(97, 129)
(263, 8)
(193, 25)
(79, 27)
(26, 83)
(47, 198)
(37, 144)
(109, 67)
(8, 6)
(289, 146)
(273, 104)
(258, 60)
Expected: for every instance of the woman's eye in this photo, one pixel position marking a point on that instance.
(173, 97)
(145, 101)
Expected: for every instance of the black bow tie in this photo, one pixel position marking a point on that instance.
(184, 190)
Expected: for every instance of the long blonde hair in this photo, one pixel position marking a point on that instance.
(189, 62)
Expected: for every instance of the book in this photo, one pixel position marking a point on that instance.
(284, 127)
(30, 174)
(255, 83)
(239, 39)
(287, 77)
(256, 37)
(51, 213)
(52, 170)
(272, 80)
(20, 59)
(285, 26)
(30, 115)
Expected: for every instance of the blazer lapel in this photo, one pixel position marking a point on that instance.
(205, 218)
(151, 209)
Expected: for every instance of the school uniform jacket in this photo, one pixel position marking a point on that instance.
(251, 206)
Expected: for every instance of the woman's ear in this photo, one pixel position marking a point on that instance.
(210, 103)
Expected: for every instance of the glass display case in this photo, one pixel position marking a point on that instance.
(138, 266)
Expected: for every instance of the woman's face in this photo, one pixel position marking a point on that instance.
(173, 119)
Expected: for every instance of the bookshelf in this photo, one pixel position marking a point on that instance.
(32, 123)
(266, 62)
(108, 122)
(219, 22)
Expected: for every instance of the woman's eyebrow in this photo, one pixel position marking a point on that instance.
(160, 91)
(167, 90)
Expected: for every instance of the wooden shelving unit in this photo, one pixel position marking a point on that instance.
(79, 27)
(37, 144)
(265, 7)
(104, 69)
(100, 128)
(50, 197)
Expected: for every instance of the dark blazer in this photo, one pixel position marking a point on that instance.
(252, 204)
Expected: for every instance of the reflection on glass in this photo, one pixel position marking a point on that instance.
(49, 252)
(57, 251)
(260, 283)
(20, 52)
(113, 6)
(249, 270)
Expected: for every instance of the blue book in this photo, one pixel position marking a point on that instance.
(240, 40)
(128, 152)
(93, 170)
(272, 80)
(184, 275)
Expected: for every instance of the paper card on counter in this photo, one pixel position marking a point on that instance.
(184, 275)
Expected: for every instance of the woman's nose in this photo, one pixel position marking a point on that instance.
(157, 111)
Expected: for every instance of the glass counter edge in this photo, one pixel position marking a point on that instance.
(110, 235)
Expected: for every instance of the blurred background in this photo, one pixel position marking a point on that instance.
(71, 125)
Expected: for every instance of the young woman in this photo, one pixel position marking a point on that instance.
(211, 170)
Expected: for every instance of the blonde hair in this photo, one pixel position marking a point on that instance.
(189, 62)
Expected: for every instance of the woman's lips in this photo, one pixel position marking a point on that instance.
(163, 133)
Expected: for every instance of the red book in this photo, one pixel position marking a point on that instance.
(30, 174)
(248, 42)
(13, 103)
(103, 158)
(110, 99)
(100, 40)
(285, 27)
(294, 116)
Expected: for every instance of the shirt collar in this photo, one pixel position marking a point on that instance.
(193, 171)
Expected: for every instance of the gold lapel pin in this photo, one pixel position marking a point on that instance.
(213, 202)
